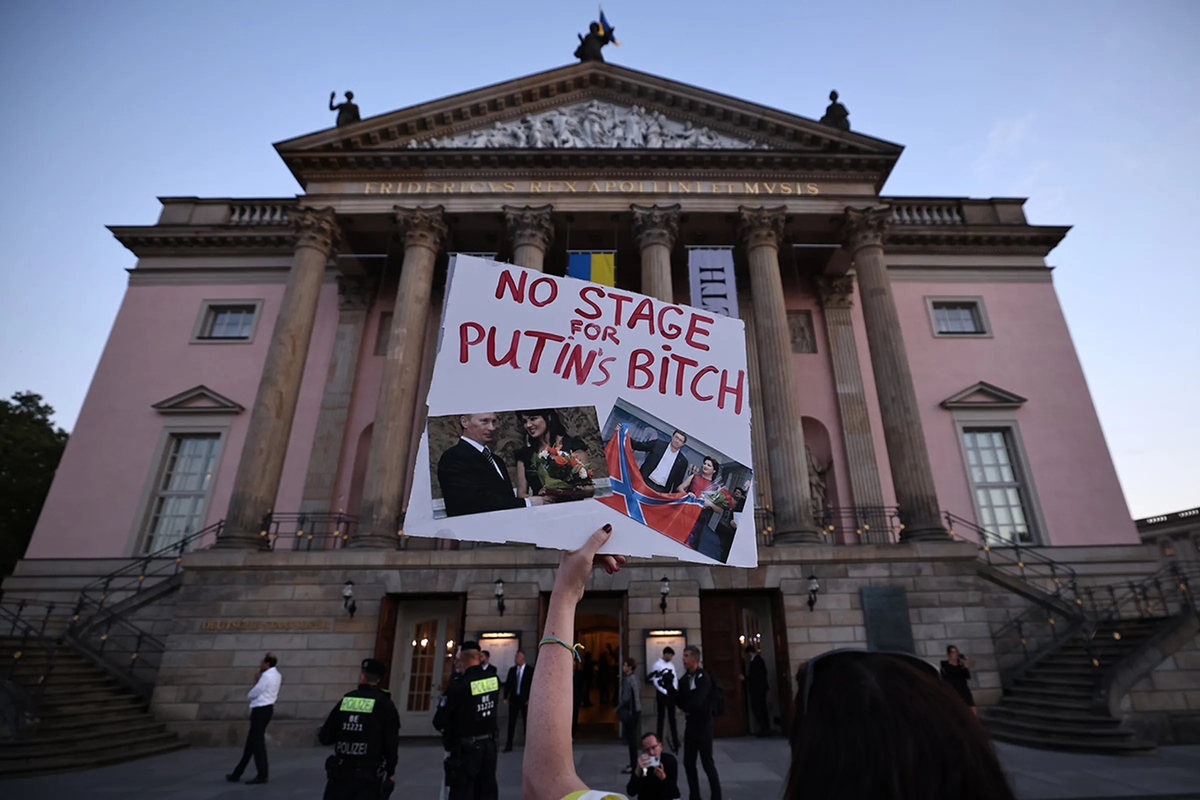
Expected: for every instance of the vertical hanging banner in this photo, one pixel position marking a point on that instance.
(710, 275)
(560, 404)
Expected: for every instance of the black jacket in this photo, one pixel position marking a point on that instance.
(470, 485)
(692, 698)
(510, 684)
(756, 676)
(654, 451)
(650, 787)
(364, 729)
(468, 708)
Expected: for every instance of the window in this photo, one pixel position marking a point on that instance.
(227, 321)
(996, 481)
(182, 492)
(958, 316)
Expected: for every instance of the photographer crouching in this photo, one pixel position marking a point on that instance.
(656, 776)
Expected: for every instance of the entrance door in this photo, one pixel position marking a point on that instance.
(427, 635)
(722, 656)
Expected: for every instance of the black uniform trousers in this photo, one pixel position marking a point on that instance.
(666, 708)
(256, 742)
(354, 784)
(698, 741)
(473, 777)
(516, 707)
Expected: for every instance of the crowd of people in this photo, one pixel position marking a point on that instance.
(866, 725)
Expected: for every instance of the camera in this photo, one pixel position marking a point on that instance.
(654, 762)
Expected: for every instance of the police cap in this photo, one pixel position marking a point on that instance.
(373, 666)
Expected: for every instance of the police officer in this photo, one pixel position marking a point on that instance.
(364, 729)
(694, 699)
(466, 717)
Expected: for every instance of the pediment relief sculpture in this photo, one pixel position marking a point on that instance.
(592, 125)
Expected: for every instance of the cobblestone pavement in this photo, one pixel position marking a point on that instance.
(752, 769)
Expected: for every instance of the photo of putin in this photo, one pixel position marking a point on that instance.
(473, 480)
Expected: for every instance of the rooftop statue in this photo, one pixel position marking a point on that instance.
(590, 45)
(347, 111)
(836, 115)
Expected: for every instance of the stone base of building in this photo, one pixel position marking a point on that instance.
(410, 605)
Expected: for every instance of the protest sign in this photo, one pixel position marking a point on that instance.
(558, 405)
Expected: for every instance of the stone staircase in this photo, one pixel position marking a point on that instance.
(86, 717)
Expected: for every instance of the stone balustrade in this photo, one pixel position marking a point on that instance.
(258, 214)
(925, 214)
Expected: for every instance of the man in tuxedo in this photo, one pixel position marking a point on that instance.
(757, 688)
(472, 479)
(665, 465)
(485, 661)
(516, 694)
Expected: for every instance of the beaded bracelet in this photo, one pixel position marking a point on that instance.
(574, 650)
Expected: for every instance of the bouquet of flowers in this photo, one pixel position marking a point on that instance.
(564, 475)
(720, 497)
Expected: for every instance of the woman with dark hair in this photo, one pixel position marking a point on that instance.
(698, 485)
(544, 429)
(883, 726)
(956, 674)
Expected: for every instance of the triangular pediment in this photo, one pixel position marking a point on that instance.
(983, 395)
(590, 106)
(198, 400)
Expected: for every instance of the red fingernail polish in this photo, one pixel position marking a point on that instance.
(607, 528)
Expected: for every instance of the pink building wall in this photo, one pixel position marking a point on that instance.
(1031, 354)
(91, 508)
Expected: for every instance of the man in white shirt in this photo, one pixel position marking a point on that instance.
(662, 675)
(262, 705)
(665, 465)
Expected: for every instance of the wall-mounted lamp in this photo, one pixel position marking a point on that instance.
(500, 595)
(664, 589)
(814, 588)
(348, 598)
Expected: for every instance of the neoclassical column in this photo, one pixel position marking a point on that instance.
(863, 231)
(761, 231)
(759, 446)
(391, 438)
(354, 301)
(531, 231)
(261, 465)
(655, 228)
(837, 298)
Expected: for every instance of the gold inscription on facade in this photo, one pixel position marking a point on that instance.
(265, 625)
(779, 188)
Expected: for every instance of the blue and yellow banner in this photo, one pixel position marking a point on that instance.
(595, 267)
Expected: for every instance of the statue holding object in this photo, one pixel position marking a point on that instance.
(347, 112)
(590, 45)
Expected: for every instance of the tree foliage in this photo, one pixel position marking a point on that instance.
(30, 448)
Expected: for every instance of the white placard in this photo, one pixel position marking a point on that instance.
(711, 280)
(612, 376)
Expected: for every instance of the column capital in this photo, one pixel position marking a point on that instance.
(836, 292)
(761, 226)
(422, 226)
(655, 225)
(864, 227)
(355, 292)
(529, 226)
(316, 227)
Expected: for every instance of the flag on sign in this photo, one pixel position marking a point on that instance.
(594, 267)
(605, 27)
(672, 514)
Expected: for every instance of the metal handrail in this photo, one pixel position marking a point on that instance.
(861, 524)
(1021, 561)
(21, 702)
(306, 530)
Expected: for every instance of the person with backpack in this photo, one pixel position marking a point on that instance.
(700, 697)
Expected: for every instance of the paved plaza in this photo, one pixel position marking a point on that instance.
(750, 768)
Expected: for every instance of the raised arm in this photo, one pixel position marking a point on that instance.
(548, 766)
(332, 107)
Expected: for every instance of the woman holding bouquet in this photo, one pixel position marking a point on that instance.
(707, 487)
(545, 433)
